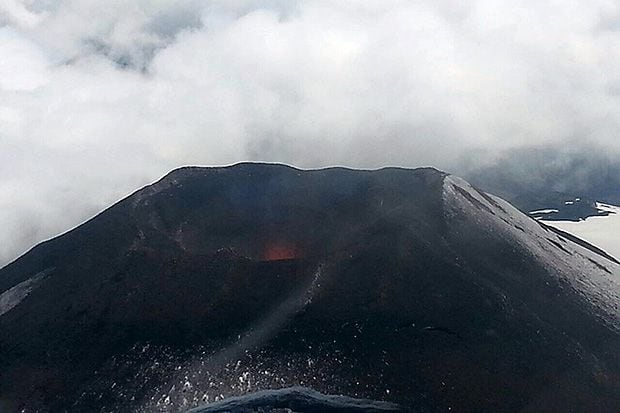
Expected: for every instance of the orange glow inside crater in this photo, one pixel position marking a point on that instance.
(280, 251)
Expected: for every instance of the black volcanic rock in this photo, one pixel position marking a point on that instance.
(405, 286)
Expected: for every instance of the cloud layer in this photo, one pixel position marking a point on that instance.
(98, 98)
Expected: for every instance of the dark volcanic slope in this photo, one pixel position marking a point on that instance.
(407, 286)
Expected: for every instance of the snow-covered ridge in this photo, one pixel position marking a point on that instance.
(588, 272)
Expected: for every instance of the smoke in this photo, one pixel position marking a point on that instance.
(98, 98)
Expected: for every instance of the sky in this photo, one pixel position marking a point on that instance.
(98, 98)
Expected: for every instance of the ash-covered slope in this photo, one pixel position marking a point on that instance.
(406, 286)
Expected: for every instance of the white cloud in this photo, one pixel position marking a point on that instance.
(97, 98)
(23, 65)
(16, 13)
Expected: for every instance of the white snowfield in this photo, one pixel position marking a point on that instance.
(595, 277)
(602, 231)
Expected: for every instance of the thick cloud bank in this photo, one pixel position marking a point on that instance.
(99, 97)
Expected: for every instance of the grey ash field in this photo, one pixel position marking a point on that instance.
(395, 286)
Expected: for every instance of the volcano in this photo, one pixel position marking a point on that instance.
(402, 289)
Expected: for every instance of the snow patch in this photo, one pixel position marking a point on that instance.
(544, 211)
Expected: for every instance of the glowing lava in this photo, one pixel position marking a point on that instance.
(280, 251)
